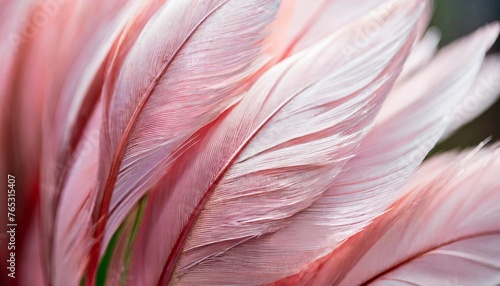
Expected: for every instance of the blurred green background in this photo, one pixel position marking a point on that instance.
(456, 18)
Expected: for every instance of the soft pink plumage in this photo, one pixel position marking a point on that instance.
(246, 142)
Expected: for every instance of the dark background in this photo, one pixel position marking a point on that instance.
(456, 18)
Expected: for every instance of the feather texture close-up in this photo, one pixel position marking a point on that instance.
(248, 142)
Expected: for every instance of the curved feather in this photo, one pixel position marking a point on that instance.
(422, 53)
(407, 231)
(72, 226)
(451, 62)
(81, 76)
(446, 230)
(90, 26)
(391, 152)
(37, 58)
(169, 87)
(483, 93)
(314, 20)
(68, 129)
(251, 171)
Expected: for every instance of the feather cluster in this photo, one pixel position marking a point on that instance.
(246, 142)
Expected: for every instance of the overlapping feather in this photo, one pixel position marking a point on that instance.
(169, 87)
(247, 165)
(445, 230)
(270, 157)
(403, 135)
(314, 20)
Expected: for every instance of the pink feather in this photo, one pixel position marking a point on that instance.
(314, 20)
(253, 157)
(446, 230)
(393, 149)
(72, 227)
(169, 87)
(248, 142)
